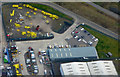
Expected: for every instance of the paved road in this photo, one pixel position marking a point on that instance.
(0, 36)
(80, 19)
(110, 13)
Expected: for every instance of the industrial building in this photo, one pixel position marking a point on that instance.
(88, 68)
(74, 68)
(72, 54)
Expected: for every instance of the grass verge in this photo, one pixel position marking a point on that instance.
(112, 6)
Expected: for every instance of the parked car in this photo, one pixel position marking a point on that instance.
(28, 65)
(93, 37)
(82, 29)
(35, 71)
(43, 51)
(27, 61)
(79, 39)
(32, 55)
(90, 42)
(31, 51)
(73, 32)
(69, 46)
(44, 54)
(35, 67)
(85, 31)
(66, 46)
(62, 46)
(51, 73)
(84, 41)
(56, 47)
(33, 60)
(96, 39)
(43, 58)
(45, 72)
(75, 36)
(41, 61)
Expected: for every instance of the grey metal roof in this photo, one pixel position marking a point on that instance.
(72, 52)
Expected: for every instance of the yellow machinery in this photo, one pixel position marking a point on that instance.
(16, 68)
(27, 27)
(33, 34)
(15, 5)
(17, 25)
(10, 20)
(13, 12)
(50, 15)
(34, 13)
(19, 7)
(35, 9)
(23, 33)
(47, 21)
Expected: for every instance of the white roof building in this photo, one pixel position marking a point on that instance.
(88, 68)
(74, 68)
(102, 68)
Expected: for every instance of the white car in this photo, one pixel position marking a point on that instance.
(33, 60)
(31, 51)
(66, 46)
(41, 61)
(45, 72)
(79, 39)
(59, 46)
(96, 39)
(62, 46)
(35, 67)
(82, 29)
(90, 42)
(84, 41)
(44, 54)
(43, 58)
(69, 46)
(35, 71)
(32, 55)
(93, 37)
(76, 37)
(73, 32)
(43, 51)
(83, 23)
(28, 61)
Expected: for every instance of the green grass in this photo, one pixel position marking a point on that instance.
(105, 43)
(91, 13)
(51, 10)
(109, 5)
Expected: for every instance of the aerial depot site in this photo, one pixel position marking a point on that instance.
(54, 39)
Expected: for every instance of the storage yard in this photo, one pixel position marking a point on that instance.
(24, 22)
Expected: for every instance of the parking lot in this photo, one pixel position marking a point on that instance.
(39, 45)
(81, 38)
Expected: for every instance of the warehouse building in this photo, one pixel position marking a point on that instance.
(88, 68)
(74, 68)
(72, 54)
(102, 68)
